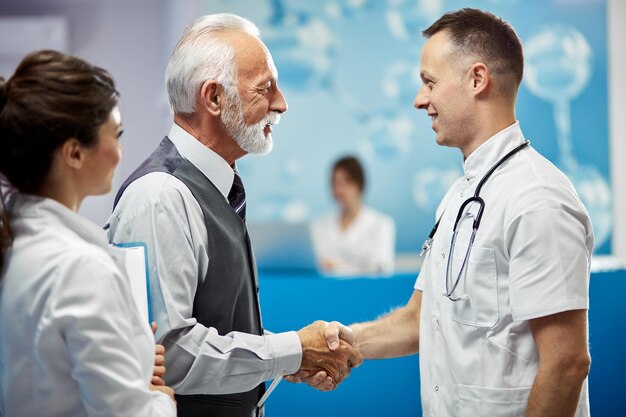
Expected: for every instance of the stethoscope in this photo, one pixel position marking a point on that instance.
(460, 217)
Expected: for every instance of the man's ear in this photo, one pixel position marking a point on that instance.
(73, 153)
(479, 78)
(212, 97)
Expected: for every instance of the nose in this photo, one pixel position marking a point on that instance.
(278, 103)
(421, 99)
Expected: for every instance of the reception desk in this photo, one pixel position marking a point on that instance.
(292, 299)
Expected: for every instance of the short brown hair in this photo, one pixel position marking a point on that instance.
(353, 168)
(488, 37)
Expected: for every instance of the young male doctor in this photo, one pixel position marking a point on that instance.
(499, 311)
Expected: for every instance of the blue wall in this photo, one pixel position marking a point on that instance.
(391, 387)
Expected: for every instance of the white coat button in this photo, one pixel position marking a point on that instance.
(436, 387)
(461, 194)
(443, 255)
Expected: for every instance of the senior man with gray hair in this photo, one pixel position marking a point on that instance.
(187, 203)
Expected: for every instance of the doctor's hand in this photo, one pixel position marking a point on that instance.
(157, 383)
(336, 332)
(166, 390)
(158, 373)
(322, 367)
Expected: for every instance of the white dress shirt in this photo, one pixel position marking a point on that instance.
(531, 258)
(71, 340)
(160, 210)
(367, 246)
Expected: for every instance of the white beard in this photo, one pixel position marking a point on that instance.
(250, 138)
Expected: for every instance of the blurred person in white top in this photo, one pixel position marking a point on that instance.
(357, 239)
(72, 342)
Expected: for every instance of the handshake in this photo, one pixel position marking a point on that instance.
(328, 355)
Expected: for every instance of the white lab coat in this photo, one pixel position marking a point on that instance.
(71, 340)
(531, 258)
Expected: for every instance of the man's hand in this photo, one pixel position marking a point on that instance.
(319, 380)
(322, 367)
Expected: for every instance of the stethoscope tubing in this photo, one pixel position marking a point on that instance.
(476, 224)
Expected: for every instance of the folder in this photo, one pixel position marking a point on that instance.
(132, 259)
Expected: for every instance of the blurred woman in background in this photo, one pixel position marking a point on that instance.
(357, 239)
(71, 340)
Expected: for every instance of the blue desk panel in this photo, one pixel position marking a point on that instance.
(391, 387)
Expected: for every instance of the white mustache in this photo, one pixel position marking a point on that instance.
(272, 118)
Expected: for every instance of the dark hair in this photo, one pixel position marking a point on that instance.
(488, 37)
(353, 168)
(50, 98)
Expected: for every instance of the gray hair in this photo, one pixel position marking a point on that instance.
(200, 55)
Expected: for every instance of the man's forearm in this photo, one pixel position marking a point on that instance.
(555, 394)
(237, 362)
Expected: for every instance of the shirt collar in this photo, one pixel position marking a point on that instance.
(213, 166)
(490, 152)
(25, 205)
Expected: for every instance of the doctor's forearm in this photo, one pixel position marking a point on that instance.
(396, 334)
(387, 337)
(555, 393)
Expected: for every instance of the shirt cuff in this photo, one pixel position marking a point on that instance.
(419, 285)
(287, 353)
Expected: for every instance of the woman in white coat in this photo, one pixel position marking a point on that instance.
(355, 240)
(71, 339)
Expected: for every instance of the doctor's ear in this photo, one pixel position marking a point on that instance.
(212, 97)
(479, 77)
(72, 153)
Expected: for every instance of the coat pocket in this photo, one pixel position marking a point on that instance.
(478, 284)
(473, 401)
